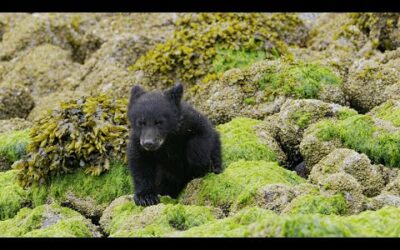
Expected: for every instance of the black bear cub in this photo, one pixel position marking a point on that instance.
(170, 144)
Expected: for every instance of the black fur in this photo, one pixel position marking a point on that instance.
(170, 144)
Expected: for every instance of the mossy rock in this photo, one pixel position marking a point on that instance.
(12, 196)
(48, 221)
(295, 116)
(15, 102)
(124, 219)
(41, 70)
(246, 139)
(86, 133)
(321, 204)
(256, 222)
(388, 111)
(14, 124)
(70, 31)
(261, 88)
(237, 186)
(106, 71)
(373, 81)
(197, 38)
(86, 194)
(376, 138)
(12, 147)
(358, 165)
(384, 200)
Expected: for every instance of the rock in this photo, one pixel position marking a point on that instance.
(237, 186)
(12, 196)
(295, 116)
(48, 221)
(384, 200)
(321, 204)
(68, 31)
(89, 195)
(15, 102)
(393, 187)
(275, 197)
(124, 219)
(247, 139)
(377, 138)
(14, 124)
(107, 70)
(41, 70)
(357, 165)
(373, 81)
(12, 147)
(257, 222)
(262, 88)
(348, 186)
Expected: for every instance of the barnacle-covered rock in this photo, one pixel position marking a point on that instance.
(107, 69)
(124, 219)
(189, 54)
(321, 204)
(357, 165)
(41, 70)
(70, 31)
(247, 139)
(12, 196)
(384, 200)
(373, 81)
(377, 138)
(237, 186)
(15, 101)
(12, 147)
(257, 222)
(14, 124)
(295, 116)
(48, 221)
(82, 134)
(342, 183)
(84, 193)
(260, 89)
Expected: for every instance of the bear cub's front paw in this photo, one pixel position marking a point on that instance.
(146, 199)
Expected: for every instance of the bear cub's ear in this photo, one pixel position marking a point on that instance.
(175, 93)
(136, 92)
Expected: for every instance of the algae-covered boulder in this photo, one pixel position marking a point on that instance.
(260, 89)
(275, 197)
(48, 221)
(358, 165)
(82, 134)
(256, 222)
(124, 219)
(12, 196)
(377, 138)
(321, 204)
(237, 186)
(42, 70)
(89, 195)
(14, 124)
(295, 116)
(247, 139)
(373, 81)
(198, 38)
(15, 102)
(12, 147)
(348, 186)
(107, 69)
(384, 200)
(66, 30)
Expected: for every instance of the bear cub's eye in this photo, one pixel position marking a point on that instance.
(141, 123)
(158, 122)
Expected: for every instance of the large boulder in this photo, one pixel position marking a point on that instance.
(48, 221)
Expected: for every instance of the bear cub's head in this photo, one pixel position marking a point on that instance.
(154, 115)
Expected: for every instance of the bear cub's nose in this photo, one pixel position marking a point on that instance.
(149, 144)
